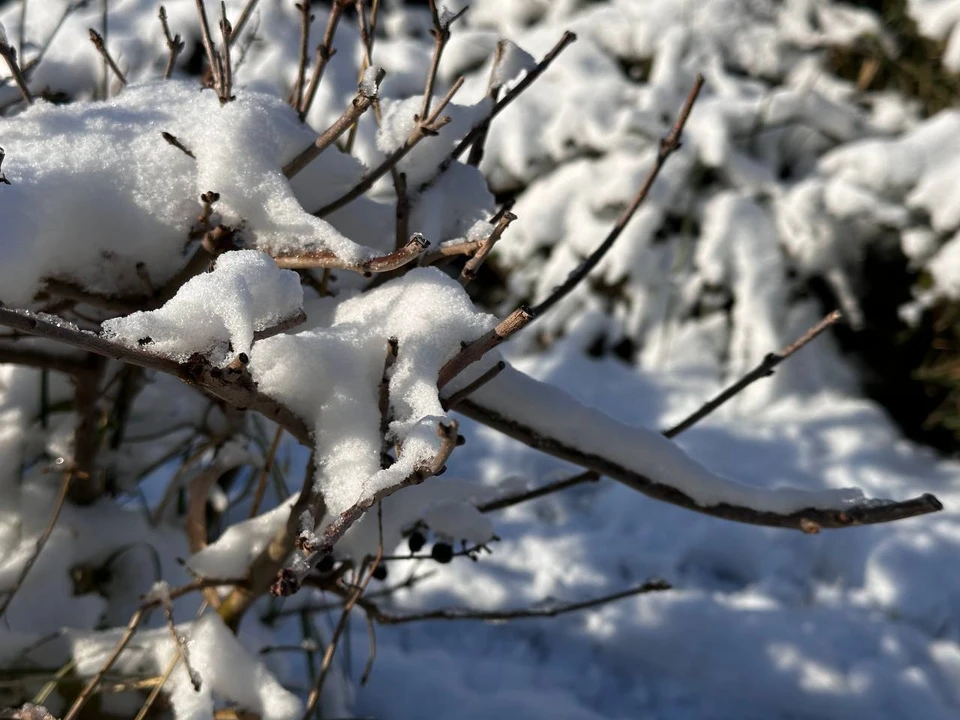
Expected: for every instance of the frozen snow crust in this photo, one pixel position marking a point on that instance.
(786, 174)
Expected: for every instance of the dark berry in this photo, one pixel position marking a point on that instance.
(442, 552)
(416, 541)
(326, 564)
(380, 572)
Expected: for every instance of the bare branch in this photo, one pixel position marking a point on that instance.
(226, 78)
(450, 250)
(41, 541)
(513, 323)
(306, 18)
(360, 104)
(208, 46)
(382, 263)
(10, 56)
(807, 520)
(481, 127)
(174, 44)
(289, 580)
(88, 484)
(421, 130)
(668, 145)
(324, 52)
(472, 266)
(233, 385)
(97, 40)
(493, 90)
(549, 609)
(265, 473)
(548, 489)
(441, 36)
(470, 388)
(242, 20)
(764, 369)
(175, 141)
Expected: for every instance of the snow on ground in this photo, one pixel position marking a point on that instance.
(787, 174)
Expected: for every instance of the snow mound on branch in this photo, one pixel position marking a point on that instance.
(225, 667)
(331, 376)
(95, 190)
(217, 312)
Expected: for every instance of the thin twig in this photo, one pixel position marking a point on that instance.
(522, 497)
(441, 36)
(41, 541)
(493, 91)
(107, 60)
(265, 472)
(226, 79)
(550, 609)
(180, 642)
(98, 42)
(306, 18)
(523, 316)
(764, 369)
(175, 141)
(472, 266)
(174, 44)
(467, 390)
(208, 46)
(9, 54)
(513, 94)
(242, 20)
(358, 106)
(331, 648)
(324, 52)
(421, 130)
(379, 264)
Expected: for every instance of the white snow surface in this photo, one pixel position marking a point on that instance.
(786, 174)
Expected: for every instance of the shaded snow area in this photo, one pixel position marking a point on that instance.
(787, 179)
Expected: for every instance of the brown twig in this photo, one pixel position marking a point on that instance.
(174, 44)
(243, 19)
(472, 266)
(467, 390)
(807, 519)
(764, 369)
(422, 129)
(523, 316)
(226, 77)
(549, 610)
(306, 18)
(88, 483)
(97, 40)
(450, 250)
(288, 580)
(548, 489)
(41, 541)
(180, 641)
(513, 94)
(67, 12)
(233, 386)
(331, 648)
(493, 90)
(402, 219)
(213, 59)
(379, 264)
(131, 629)
(358, 106)
(324, 52)
(441, 36)
(175, 141)
(265, 473)
(9, 54)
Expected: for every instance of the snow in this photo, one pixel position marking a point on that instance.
(245, 292)
(788, 175)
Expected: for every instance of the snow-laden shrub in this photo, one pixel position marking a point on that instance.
(199, 291)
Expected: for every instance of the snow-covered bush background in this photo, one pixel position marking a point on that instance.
(221, 421)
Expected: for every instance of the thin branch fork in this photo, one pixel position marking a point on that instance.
(480, 128)
(97, 40)
(324, 52)
(9, 54)
(358, 106)
(523, 316)
(306, 18)
(379, 264)
(472, 266)
(174, 44)
(422, 129)
(441, 36)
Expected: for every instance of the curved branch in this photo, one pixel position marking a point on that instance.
(381, 263)
(553, 422)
